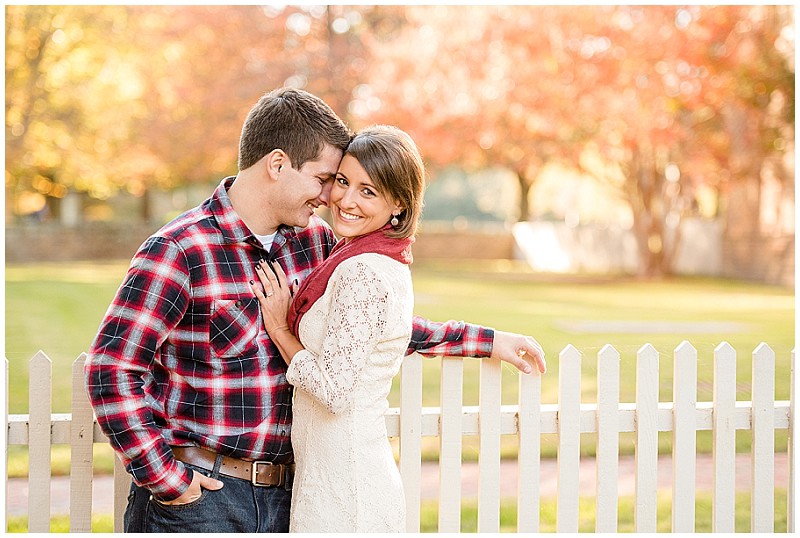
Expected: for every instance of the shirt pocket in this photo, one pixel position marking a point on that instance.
(234, 327)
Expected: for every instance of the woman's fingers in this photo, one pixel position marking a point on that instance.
(273, 281)
(258, 291)
(268, 270)
(280, 275)
(263, 277)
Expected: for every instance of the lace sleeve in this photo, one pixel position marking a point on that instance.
(355, 323)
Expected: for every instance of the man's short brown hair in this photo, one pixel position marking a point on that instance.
(292, 120)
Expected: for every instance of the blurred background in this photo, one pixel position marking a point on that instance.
(630, 140)
(597, 174)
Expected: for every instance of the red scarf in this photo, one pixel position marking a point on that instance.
(314, 286)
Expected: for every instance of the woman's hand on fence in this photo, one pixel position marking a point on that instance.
(199, 483)
(518, 350)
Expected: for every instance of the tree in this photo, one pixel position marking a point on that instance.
(329, 50)
(755, 60)
(643, 101)
(102, 99)
(661, 102)
(199, 70)
(669, 102)
(469, 84)
(635, 96)
(59, 122)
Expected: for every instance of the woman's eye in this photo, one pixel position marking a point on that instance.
(341, 181)
(368, 192)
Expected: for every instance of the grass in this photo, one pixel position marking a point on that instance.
(57, 307)
(101, 523)
(102, 460)
(625, 519)
(508, 515)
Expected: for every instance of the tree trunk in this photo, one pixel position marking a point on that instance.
(640, 187)
(743, 243)
(525, 180)
(524, 207)
(10, 202)
(335, 95)
(651, 205)
(146, 207)
(742, 201)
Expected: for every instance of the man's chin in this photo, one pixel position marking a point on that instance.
(302, 222)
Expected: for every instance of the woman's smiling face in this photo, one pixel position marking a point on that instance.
(357, 206)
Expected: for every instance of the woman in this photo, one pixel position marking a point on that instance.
(353, 317)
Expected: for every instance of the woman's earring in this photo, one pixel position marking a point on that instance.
(394, 222)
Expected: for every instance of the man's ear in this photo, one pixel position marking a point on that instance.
(276, 161)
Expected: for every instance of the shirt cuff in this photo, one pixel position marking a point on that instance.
(478, 341)
(175, 480)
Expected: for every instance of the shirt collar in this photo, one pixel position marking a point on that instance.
(230, 223)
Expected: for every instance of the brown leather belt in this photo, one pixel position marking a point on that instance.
(259, 473)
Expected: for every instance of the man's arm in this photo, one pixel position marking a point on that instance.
(150, 302)
(461, 339)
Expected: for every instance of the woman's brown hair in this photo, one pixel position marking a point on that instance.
(391, 159)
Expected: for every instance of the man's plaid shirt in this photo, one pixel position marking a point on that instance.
(182, 357)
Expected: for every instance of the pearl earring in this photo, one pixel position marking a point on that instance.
(394, 222)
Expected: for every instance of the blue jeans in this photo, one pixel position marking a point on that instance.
(238, 507)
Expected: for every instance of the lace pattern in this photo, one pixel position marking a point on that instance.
(355, 336)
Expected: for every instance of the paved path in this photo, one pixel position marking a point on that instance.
(102, 498)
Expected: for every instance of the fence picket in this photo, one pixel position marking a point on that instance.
(529, 453)
(569, 439)
(411, 436)
(790, 494)
(122, 486)
(762, 504)
(684, 438)
(489, 455)
(81, 443)
(724, 440)
(4, 436)
(40, 406)
(646, 451)
(450, 445)
(607, 468)
(529, 419)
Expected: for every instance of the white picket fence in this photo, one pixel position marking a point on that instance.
(528, 420)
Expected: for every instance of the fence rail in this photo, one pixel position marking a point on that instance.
(527, 420)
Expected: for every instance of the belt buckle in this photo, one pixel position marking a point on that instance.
(254, 475)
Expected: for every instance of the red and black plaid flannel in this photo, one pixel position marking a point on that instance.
(182, 358)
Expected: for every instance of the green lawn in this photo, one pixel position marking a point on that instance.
(508, 516)
(558, 312)
(57, 308)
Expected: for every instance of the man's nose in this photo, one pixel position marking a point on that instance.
(325, 196)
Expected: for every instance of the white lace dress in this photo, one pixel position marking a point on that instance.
(355, 337)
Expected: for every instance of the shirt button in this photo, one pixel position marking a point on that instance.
(239, 303)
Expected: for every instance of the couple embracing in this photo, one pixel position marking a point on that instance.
(243, 367)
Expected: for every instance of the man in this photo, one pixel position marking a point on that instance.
(184, 381)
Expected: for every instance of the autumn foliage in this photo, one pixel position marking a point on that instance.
(671, 106)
